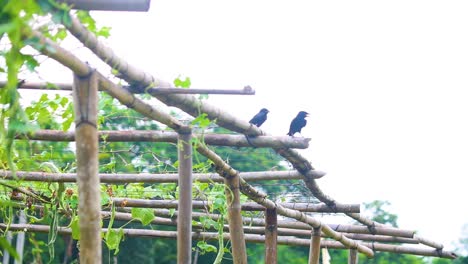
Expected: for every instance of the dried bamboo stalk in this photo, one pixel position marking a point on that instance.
(252, 225)
(200, 204)
(353, 256)
(166, 136)
(41, 86)
(139, 90)
(314, 249)
(184, 219)
(110, 5)
(136, 90)
(236, 231)
(85, 104)
(384, 234)
(248, 237)
(159, 178)
(271, 235)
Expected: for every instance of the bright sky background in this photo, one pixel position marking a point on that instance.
(385, 83)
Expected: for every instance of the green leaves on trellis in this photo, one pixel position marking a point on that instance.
(202, 121)
(11, 250)
(75, 227)
(113, 238)
(178, 82)
(144, 215)
(90, 23)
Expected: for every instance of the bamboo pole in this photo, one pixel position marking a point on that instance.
(85, 103)
(236, 230)
(353, 256)
(42, 86)
(140, 90)
(202, 204)
(314, 249)
(165, 136)
(167, 178)
(251, 225)
(184, 219)
(248, 237)
(383, 234)
(271, 234)
(110, 5)
(247, 90)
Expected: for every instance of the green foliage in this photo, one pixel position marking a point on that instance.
(144, 215)
(186, 83)
(6, 246)
(91, 25)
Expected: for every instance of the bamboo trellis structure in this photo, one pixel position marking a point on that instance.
(290, 224)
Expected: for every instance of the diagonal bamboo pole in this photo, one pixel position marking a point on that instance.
(85, 98)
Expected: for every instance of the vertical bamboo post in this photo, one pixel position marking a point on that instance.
(271, 234)
(314, 251)
(353, 256)
(20, 239)
(184, 219)
(236, 229)
(85, 98)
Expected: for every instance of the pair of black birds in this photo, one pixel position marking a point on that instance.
(296, 124)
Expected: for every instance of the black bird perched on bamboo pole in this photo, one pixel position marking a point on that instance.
(260, 117)
(298, 123)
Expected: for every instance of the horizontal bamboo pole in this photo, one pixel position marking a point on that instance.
(252, 238)
(41, 86)
(171, 137)
(110, 5)
(303, 207)
(387, 234)
(251, 225)
(149, 178)
(247, 90)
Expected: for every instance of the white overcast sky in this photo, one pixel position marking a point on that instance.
(385, 83)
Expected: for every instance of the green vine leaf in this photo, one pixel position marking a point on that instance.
(186, 83)
(7, 246)
(144, 215)
(113, 238)
(75, 227)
